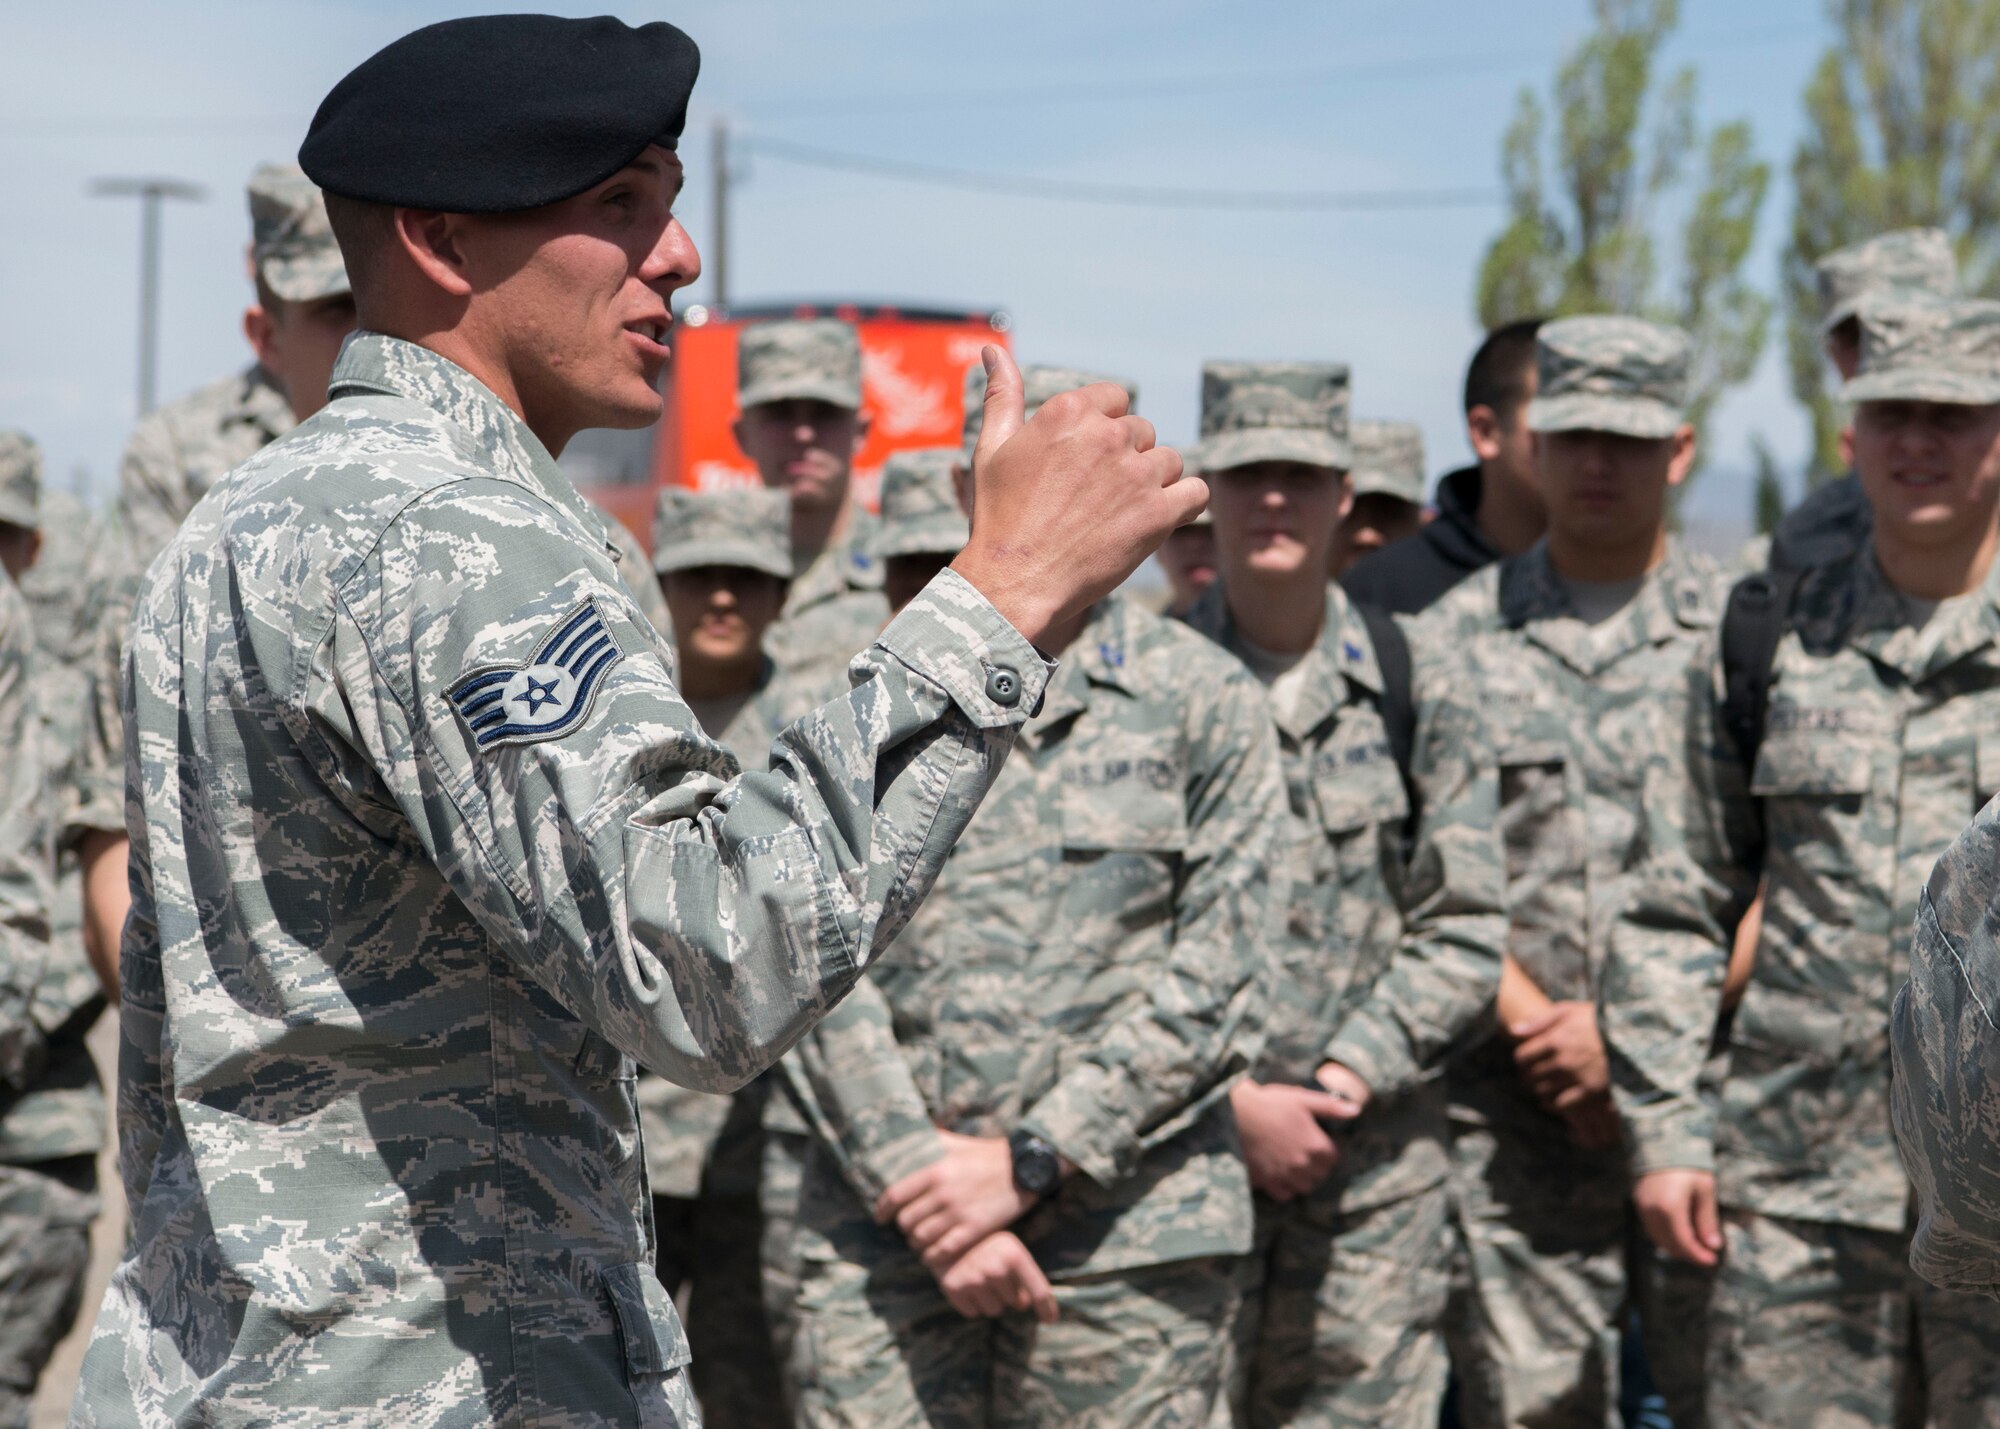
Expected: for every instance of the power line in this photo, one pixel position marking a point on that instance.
(1120, 195)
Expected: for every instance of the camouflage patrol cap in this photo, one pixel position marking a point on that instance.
(1604, 373)
(20, 480)
(1039, 382)
(920, 511)
(292, 247)
(1389, 460)
(815, 358)
(1273, 411)
(1916, 347)
(746, 526)
(1909, 260)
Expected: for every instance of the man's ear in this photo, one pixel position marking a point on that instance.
(435, 243)
(1847, 446)
(1683, 458)
(1483, 431)
(860, 432)
(261, 332)
(1346, 494)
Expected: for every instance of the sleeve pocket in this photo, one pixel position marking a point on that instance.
(647, 1325)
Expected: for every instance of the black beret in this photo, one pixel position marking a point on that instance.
(496, 113)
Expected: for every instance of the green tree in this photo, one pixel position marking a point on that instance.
(1902, 129)
(1643, 215)
(1768, 490)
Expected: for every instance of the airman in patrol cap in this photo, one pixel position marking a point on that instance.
(1385, 489)
(1023, 1187)
(1831, 522)
(405, 748)
(1389, 951)
(923, 525)
(724, 560)
(798, 393)
(1839, 789)
(1575, 650)
(52, 1112)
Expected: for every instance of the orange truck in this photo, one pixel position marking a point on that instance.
(913, 363)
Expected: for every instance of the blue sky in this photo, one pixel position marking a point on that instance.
(1333, 95)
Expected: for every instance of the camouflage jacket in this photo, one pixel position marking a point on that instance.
(1946, 1076)
(1879, 745)
(637, 573)
(1087, 965)
(65, 1114)
(833, 610)
(178, 452)
(50, 1103)
(703, 1140)
(1583, 723)
(1389, 955)
(426, 852)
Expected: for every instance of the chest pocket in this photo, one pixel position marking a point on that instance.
(1813, 788)
(1362, 808)
(1123, 843)
(1543, 834)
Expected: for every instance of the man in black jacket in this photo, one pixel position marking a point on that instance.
(1484, 511)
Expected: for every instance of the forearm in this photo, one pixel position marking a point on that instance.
(855, 1089)
(107, 898)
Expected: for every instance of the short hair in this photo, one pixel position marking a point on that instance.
(363, 230)
(1497, 377)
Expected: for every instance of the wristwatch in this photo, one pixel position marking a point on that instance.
(1037, 1168)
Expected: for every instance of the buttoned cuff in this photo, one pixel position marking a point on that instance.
(885, 1165)
(1374, 1048)
(1676, 1139)
(953, 635)
(1074, 1120)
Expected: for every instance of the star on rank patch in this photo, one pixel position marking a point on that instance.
(549, 695)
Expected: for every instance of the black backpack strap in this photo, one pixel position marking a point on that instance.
(1753, 622)
(1399, 706)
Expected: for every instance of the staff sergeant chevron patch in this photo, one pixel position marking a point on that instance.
(550, 694)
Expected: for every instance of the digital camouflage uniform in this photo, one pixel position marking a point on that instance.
(1581, 717)
(1388, 460)
(427, 851)
(1344, 1292)
(836, 604)
(1832, 522)
(1877, 749)
(1086, 970)
(51, 1103)
(704, 1150)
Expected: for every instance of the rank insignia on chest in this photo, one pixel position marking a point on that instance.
(547, 695)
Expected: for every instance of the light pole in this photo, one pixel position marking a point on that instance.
(719, 162)
(149, 192)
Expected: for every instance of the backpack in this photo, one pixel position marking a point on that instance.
(1753, 622)
(1399, 706)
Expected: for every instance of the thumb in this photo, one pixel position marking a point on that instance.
(1002, 407)
(1707, 1224)
(1329, 1106)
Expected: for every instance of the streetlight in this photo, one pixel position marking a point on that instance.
(149, 192)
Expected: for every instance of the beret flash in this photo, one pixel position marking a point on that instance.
(497, 113)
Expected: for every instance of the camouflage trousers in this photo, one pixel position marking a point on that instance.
(879, 1347)
(708, 1248)
(784, 1168)
(1342, 1316)
(1539, 1284)
(1826, 1325)
(45, 1215)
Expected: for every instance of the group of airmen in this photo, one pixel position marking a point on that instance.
(1444, 955)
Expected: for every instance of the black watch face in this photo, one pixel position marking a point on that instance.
(1035, 1167)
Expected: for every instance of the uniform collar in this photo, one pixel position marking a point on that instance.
(1879, 626)
(1343, 654)
(1678, 595)
(1101, 655)
(845, 565)
(372, 362)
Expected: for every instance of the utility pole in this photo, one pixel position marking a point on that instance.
(150, 193)
(719, 162)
